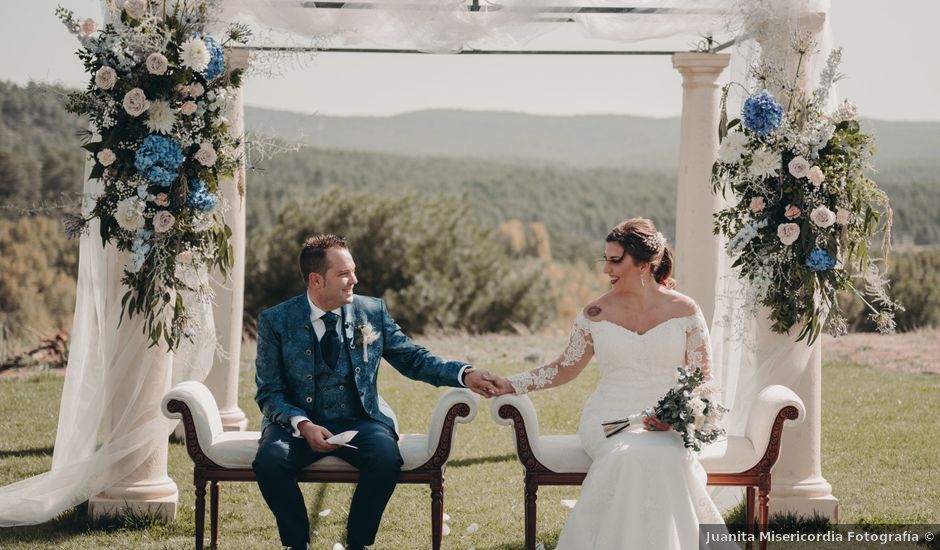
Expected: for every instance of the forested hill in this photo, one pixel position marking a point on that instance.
(40, 159)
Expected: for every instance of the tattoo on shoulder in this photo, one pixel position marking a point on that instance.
(593, 311)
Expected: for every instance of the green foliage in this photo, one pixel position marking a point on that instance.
(37, 278)
(428, 256)
(915, 283)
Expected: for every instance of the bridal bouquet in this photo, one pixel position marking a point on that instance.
(805, 210)
(690, 408)
(157, 98)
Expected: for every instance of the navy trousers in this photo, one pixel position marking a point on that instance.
(281, 457)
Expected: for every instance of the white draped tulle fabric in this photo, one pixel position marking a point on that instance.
(110, 421)
(446, 26)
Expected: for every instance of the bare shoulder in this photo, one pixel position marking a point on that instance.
(595, 309)
(680, 304)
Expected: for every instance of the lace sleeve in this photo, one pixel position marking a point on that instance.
(698, 348)
(568, 365)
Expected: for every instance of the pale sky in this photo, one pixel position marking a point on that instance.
(887, 56)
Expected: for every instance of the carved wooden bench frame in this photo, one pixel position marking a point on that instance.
(756, 480)
(206, 471)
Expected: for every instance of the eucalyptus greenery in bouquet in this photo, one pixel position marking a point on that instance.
(691, 409)
(158, 98)
(804, 209)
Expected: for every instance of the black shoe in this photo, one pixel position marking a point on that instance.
(350, 546)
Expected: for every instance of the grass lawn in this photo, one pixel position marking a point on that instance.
(880, 452)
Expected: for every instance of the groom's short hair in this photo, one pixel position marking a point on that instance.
(313, 255)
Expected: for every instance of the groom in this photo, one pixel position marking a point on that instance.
(317, 363)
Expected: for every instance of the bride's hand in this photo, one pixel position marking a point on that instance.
(502, 386)
(653, 424)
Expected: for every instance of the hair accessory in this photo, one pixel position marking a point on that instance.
(656, 242)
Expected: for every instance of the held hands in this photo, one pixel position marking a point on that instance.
(316, 436)
(503, 386)
(482, 382)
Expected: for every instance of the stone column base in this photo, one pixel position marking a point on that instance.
(234, 420)
(805, 499)
(157, 499)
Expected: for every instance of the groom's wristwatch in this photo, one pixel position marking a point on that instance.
(466, 371)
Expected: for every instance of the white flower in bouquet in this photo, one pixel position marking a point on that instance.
(822, 216)
(195, 55)
(188, 108)
(764, 163)
(105, 78)
(798, 167)
(788, 233)
(843, 216)
(157, 63)
(135, 8)
(106, 157)
(206, 154)
(816, 176)
(89, 26)
(196, 89)
(185, 257)
(163, 221)
(160, 117)
(846, 111)
(732, 147)
(135, 102)
(162, 199)
(130, 214)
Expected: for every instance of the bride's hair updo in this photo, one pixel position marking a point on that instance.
(642, 242)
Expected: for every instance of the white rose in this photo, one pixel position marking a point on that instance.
(105, 78)
(843, 216)
(163, 221)
(822, 216)
(799, 167)
(788, 233)
(135, 8)
(89, 26)
(815, 176)
(106, 157)
(188, 108)
(157, 63)
(130, 214)
(135, 102)
(206, 154)
(196, 89)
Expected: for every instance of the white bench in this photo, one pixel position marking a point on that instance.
(743, 461)
(227, 456)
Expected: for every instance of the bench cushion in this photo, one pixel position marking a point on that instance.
(237, 450)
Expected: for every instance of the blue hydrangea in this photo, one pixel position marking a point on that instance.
(762, 113)
(820, 260)
(158, 159)
(217, 63)
(201, 198)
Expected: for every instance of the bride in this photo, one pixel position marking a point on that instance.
(644, 489)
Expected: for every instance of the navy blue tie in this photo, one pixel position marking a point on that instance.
(330, 343)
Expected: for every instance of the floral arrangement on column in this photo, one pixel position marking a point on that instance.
(805, 210)
(158, 97)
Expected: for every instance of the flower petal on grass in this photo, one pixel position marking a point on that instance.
(568, 503)
(473, 528)
(324, 513)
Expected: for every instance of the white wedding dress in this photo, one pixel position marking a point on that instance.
(644, 490)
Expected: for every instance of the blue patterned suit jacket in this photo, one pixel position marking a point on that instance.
(286, 359)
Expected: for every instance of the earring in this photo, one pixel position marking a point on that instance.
(642, 280)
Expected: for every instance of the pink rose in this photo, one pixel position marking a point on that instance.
(163, 221)
(792, 212)
(843, 216)
(135, 9)
(157, 63)
(196, 89)
(105, 78)
(788, 233)
(799, 167)
(89, 26)
(188, 108)
(135, 102)
(206, 154)
(757, 204)
(162, 199)
(106, 157)
(185, 257)
(822, 216)
(815, 176)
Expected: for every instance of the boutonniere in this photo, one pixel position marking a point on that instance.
(365, 335)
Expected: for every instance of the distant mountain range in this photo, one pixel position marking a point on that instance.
(581, 141)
